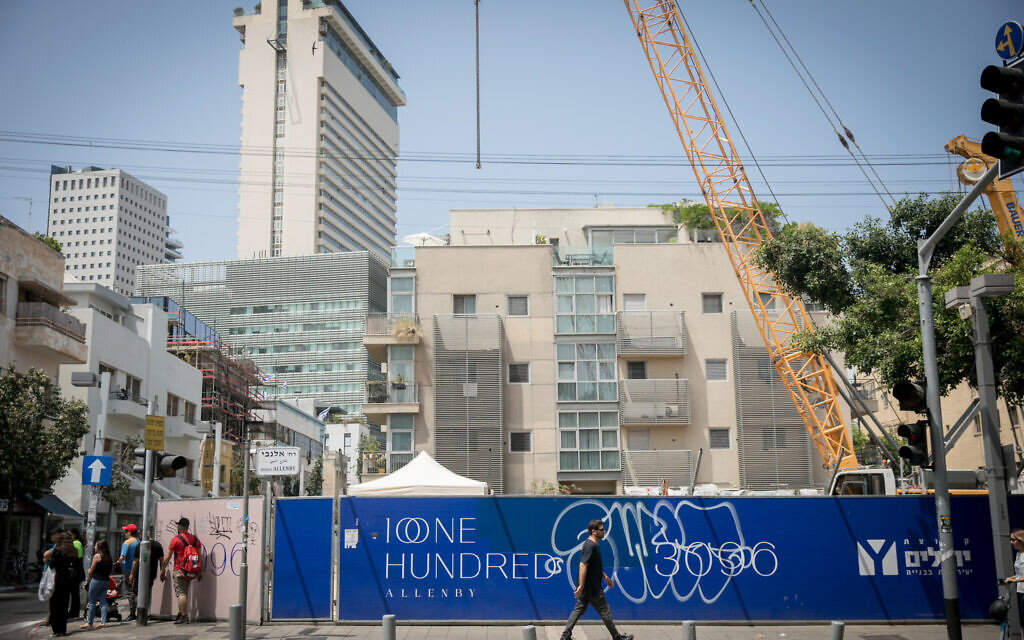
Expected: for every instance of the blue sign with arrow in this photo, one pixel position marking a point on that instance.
(96, 469)
(1009, 40)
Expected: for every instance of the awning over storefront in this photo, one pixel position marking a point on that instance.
(56, 507)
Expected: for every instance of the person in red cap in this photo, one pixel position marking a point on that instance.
(129, 549)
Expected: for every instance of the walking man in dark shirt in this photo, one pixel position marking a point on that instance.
(588, 587)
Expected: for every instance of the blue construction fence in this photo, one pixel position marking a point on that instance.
(728, 559)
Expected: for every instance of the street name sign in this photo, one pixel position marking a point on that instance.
(96, 469)
(154, 433)
(277, 461)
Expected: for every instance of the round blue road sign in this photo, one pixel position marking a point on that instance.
(1009, 39)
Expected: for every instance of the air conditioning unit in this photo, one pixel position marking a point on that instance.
(672, 411)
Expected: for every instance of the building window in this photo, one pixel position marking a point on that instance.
(711, 302)
(634, 302)
(977, 425)
(636, 370)
(718, 438)
(400, 372)
(172, 404)
(588, 441)
(519, 373)
(402, 292)
(464, 304)
(190, 409)
(586, 372)
(518, 305)
(583, 304)
(400, 441)
(716, 370)
(767, 300)
(520, 442)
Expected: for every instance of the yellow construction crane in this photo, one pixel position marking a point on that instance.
(740, 223)
(1001, 196)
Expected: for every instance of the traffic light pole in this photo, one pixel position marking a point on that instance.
(925, 251)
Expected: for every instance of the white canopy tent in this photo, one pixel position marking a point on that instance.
(424, 476)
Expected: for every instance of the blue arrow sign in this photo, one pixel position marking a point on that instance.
(96, 469)
(1009, 40)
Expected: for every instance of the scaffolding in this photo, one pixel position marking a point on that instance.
(231, 380)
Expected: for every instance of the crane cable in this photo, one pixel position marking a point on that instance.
(848, 134)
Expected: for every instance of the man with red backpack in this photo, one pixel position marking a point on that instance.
(185, 548)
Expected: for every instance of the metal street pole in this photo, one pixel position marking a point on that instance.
(972, 301)
(94, 490)
(145, 547)
(243, 572)
(943, 514)
(218, 430)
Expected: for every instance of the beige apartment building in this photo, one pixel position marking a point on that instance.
(34, 330)
(600, 349)
(319, 132)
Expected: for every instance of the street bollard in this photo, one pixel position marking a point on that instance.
(529, 632)
(387, 627)
(235, 622)
(836, 630)
(689, 630)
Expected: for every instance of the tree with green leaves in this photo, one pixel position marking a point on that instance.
(697, 216)
(315, 484)
(866, 278)
(40, 432)
(119, 491)
(48, 241)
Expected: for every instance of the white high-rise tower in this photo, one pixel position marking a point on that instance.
(319, 133)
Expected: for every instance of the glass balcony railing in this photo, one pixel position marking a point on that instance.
(582, 256)
(403, 257)
(382, 392)
(46, 315)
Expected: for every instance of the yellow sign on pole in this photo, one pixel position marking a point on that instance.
(154, 433)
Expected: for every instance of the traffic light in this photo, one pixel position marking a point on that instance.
(1007, 113)
(916, 450)
(140, 467)
(912, 395)
(167, 464)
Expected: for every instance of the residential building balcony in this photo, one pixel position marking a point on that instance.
(583, 256)
(385, 329)
(45, 329)
(653, 468)
(372, 465)
(127, 403)
(403, 257)
(867, 392)
(384, 398)
(653, 402)
(650, 333)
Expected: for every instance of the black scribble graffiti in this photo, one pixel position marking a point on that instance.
(220, 526)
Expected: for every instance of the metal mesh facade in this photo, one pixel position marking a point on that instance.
(300, 319)
(649, 468)
(774, 448)
(468, 383)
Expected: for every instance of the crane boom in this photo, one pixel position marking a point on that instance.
(1001, 195)
(741, 225)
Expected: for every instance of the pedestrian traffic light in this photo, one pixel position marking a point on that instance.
(912, 395)
(140, 467)
(916, 450)
(167, 465)
(1007, 113)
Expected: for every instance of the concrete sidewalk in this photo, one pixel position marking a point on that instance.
(166, 630)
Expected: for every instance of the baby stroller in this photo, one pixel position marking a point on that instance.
(112, 595)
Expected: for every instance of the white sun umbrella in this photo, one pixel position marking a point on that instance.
(424, 240)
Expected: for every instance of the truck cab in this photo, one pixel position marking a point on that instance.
(864, 482)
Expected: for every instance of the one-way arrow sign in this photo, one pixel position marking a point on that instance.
(96, 469)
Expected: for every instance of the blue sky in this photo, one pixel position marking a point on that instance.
(566, 94)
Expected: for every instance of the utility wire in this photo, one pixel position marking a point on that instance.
(810, 76)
